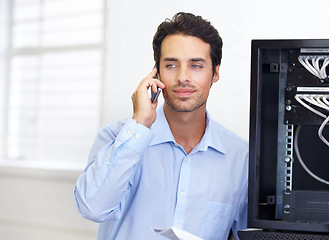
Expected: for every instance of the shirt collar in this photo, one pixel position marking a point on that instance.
(211, 137)
(161, 129)
(162, 133)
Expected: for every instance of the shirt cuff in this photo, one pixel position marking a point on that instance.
(135, 136)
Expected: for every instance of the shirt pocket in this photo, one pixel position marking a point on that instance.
(216, 220)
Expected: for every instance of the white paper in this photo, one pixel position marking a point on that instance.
(175, 233)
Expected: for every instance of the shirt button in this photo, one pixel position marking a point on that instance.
(137, 136)
(177, 225)
(182, 193)
(108, 163)
(186, 159)
(129, 132)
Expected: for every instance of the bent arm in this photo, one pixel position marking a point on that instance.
(102, 189)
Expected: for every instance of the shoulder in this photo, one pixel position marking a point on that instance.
(222, 130)
(229, 139)
(112, 129)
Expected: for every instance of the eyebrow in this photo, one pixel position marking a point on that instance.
(171, 59)
(197, 60)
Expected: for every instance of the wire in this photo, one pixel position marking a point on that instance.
(324, 99)
(311, 100)
(304, 61)
(314, 99)
(323, 73)
(315, 72)
(321, 129)
(319, 99)
(315, 62)
(301, 160)
(298, 96)
(312, 64)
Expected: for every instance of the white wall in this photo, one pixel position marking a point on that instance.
(38, 203)
(133, 24)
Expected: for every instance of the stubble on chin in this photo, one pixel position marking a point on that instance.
(185, 104)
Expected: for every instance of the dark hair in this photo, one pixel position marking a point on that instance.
(191, 25)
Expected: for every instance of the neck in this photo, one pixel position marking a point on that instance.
(187, 127)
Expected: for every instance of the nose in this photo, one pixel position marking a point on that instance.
(183, 74)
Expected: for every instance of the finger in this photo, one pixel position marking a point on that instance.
(157, 84)
(153, 73)
(160, 84)
(154, 87)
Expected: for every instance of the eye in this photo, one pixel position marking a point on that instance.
(171, 65)
(196, 66)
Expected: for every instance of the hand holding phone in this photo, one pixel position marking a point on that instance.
(143, 108)
(154, 96)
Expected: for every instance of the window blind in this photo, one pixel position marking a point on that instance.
(55, 79)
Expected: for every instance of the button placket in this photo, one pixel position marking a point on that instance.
(182, 194)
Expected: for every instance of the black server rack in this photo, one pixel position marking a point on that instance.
(289, 140)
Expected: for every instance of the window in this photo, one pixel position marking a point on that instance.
(55, 75)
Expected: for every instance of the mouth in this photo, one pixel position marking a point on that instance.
(184, 92)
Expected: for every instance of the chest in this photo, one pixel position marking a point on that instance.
(203, 175)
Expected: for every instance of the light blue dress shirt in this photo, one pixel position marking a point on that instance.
(139, 178)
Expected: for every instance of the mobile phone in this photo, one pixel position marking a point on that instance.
(154, 96)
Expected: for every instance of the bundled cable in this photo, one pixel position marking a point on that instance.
(320, 101)
(312, 64)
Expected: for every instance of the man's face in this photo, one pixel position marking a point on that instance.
(186, 70)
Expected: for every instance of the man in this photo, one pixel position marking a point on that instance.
(173, 166)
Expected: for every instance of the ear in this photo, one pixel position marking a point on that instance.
(215, 76)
